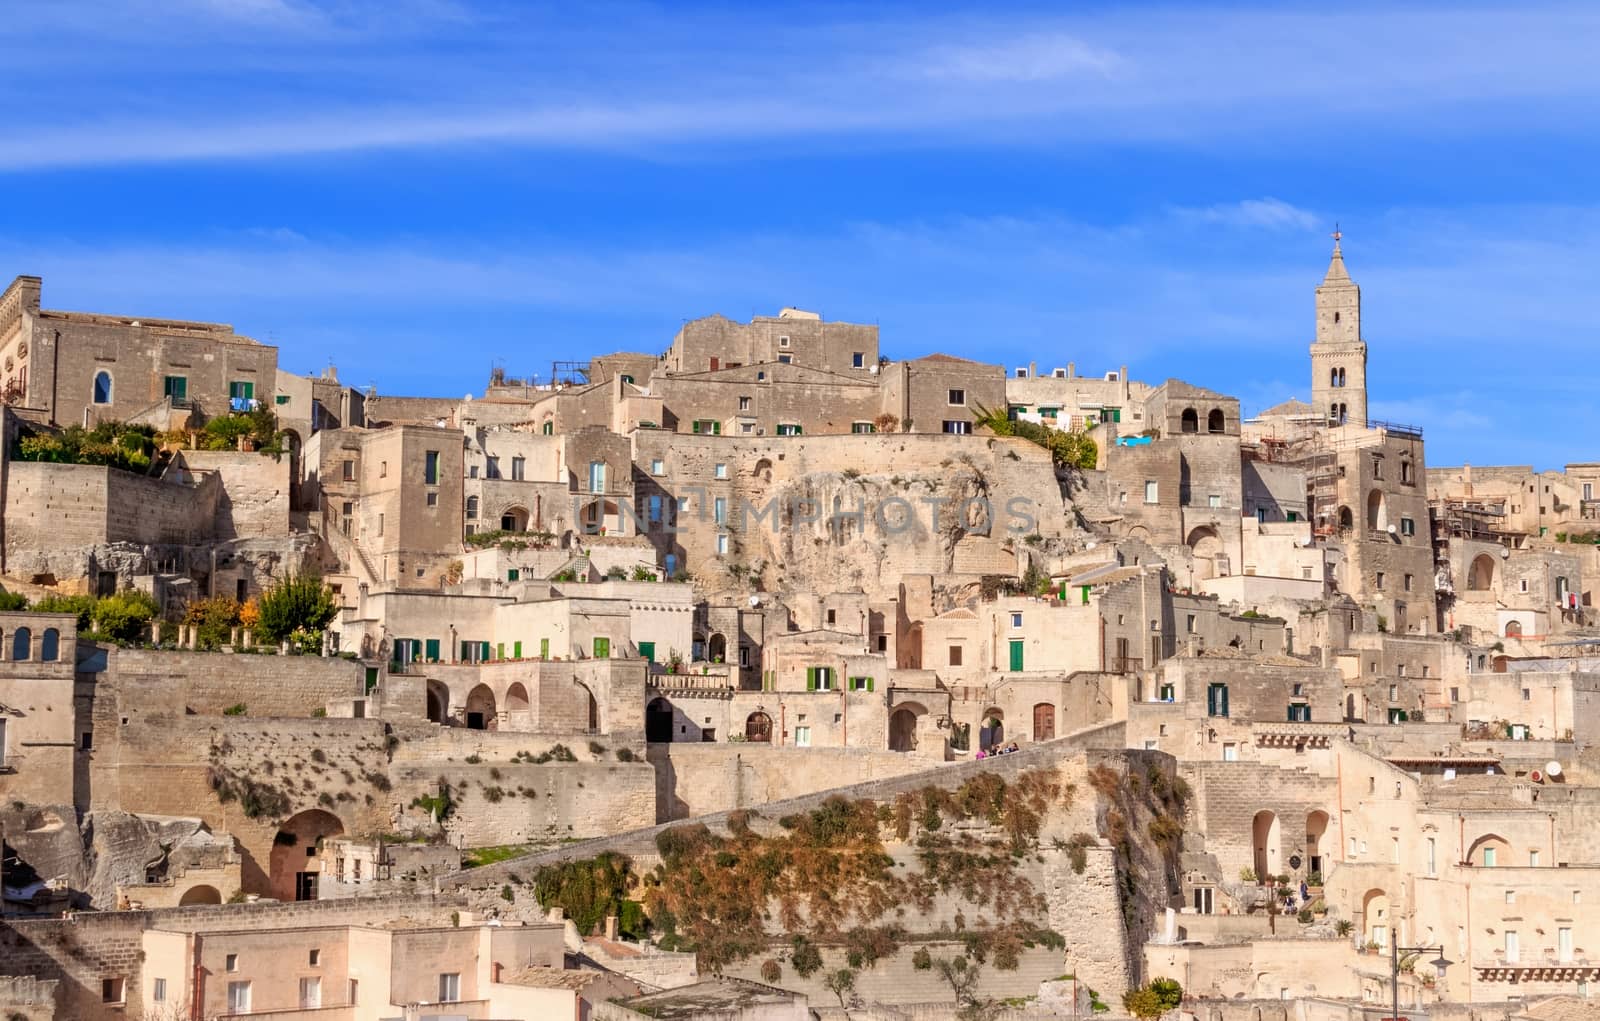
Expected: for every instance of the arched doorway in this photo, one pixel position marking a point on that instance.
(1513, 629)
(658, 721)
(763, 470)
(758, 727)
(903, 727)
(481, 713)
(1206, 547)
(1352, 708)
(1377, 511)
(1264, 839)
(1480, 576)
(1490, 851)
(200, 895)
(1347, 519)
(1044, 722)
(589, 707)
(992, 730)
(717, 648)
(1190, 422)
(517, 708)
(1216, 422)
(514, 519)
(1375, 918)
(1316, 829)
(438, 702)
(294, 865)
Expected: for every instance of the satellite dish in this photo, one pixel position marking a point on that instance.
(755, 600)
(1505, 552)
(1536, 776)
(1391, 529)
(1552, 769)
(873, 370)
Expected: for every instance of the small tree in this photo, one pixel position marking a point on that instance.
(10, 601)
(301, 603)
(1143, 1003)
(125, 616)
(840, 983)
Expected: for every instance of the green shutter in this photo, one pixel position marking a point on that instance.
(869, 684)
(372, 678)
(602, 648)
(544, 648)
(500, 650)
(648, 650)
(811, 678)
(513, 574)
(516, 650)
(433, 649)
(1016, 654)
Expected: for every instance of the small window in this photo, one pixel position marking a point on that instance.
(722, 544)
(658, 466)
(230, 962)
(430, 468)
(744, 404)
(955, 655)
(1152, 492)
(1380, 579)
(858, 360)
(314, 958)
(472, 507)
(1408, 526)
(721, 471)
(175, 387)
(380, 524)
(1016, 620)
(957, 427)
(158, 991)
(1408, 582)
(102, 387)
(1214, 501)
(783, 341)
(862, 428)
(450, 987)
(433, 499)
(111, 990)
(958, 398)
(785, 359)
(349, 471)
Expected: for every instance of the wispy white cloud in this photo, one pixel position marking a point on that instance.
(1264, 213)
(272, 78)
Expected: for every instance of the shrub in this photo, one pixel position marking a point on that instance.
(301, 603)
(215, 618)
(806, 958)
(625, 755)
(240, 709)
(1143, 1003)
(13, 601)
(771, 971)
(125, 616)
(1305, 916)
(83, 606)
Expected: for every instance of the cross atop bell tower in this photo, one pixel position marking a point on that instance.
(1339, 354)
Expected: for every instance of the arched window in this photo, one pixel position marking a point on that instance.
(102, 387)
(1333, 377)
(1216, 422)
(472, 507)
(1191, 421)
(1341, 377)
(22, 644)
(549, 428)
(50, 645)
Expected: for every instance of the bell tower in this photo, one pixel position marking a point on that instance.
(1339, 355)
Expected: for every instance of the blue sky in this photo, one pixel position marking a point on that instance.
(416, 190)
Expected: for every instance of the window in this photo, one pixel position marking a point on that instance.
(158, 991)
(349, 471)
(1408, 582)
(597, 476)
(383, 470)
(1189, 624)
(1214, 501)
(433, 499)
(1016, 620)
(1152, 492)
(958, 398)
(783, 341)
(102, 387)
(230, 962)
(1511, 896)
(472, 507)
(860, 684)
(788, 429)
(1230, 751)
(314, 958)
(1513, 947)
(1380, 579)
(1394, 692)
(658, 466)
(380, 523)
(1299, 712)
(450, 987)
(175, 387)
(111, 990)
(654, 508)
(862, 428)
(858, 360)
(355, 992)
(472, 471)
(721, 471)
(519, 469)
(430, 468)
(1217, 700)
(1533, 859)
(819, 678)
(957, 427)
(1489, 856)
(238, 997)
(744, 404)
(802, 737)
(1433, 852)
(1564, 945)
(785, 359)
(1405, 472)
(955, 655)
(722, 544)
(310, 993)
(1408, 526)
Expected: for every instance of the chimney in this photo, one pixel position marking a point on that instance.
(494, 971)
(611, 927)
(1072, 370)
(1466, 481)
(1033, 369)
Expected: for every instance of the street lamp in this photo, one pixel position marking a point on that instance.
(1394, 969)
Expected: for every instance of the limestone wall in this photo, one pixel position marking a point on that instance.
(694, 779)
(254, 500)
(207, 684)
(513, 804)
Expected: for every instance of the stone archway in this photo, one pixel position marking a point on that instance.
(1264, 841)
(1316, 830)
(1189, 422)
(517, 707)
(1206, 547)
(1480, 576)
(514, 519)
(438, 703)
(758, 728)
(1375, 920)
(294, 864)
(717, 648)
(1377, 511)
(200, 895)
(658, 724)
(590, 707)
(481, 709)
(903, 727)
(992, 728)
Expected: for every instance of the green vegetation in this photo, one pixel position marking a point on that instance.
(295, 608)
(13, 601)
(123, 617)
(590, 891)
(128, 447)
(509, 541)
(1073, 449)
(215, 618)
(259, 427)
(1153, 1000)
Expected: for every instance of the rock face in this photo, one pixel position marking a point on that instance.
(122, 849)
